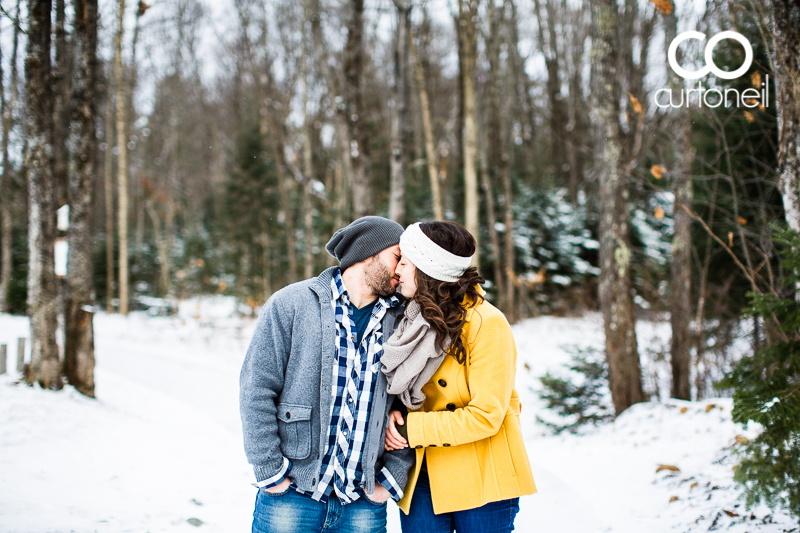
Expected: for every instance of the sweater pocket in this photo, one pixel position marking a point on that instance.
(294, 430)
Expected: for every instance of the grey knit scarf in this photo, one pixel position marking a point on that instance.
(411, 357)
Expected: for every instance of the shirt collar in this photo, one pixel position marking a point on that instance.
(339, 293)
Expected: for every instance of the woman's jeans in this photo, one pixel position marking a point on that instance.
(495, 517)
(291, 512)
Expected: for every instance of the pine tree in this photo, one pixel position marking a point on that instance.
(766, 390)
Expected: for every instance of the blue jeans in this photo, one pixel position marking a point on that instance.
(290, 512)
(495, 517)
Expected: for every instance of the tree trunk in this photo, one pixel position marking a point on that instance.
(79, 345)
(399, 112)
(786, 14)
(5, 180)
(108, 186)
(681, 267)
(467, 30)
(494, 145)
(615, 251)
(45, 367)
(122, 163)
(61, 80)
(552, 61)
(430, 150)
(355, 113)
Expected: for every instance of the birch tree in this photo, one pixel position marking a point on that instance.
(616, 302)
(79, 337)
(45, 367)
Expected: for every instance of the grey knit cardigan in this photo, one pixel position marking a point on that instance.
(285, 389)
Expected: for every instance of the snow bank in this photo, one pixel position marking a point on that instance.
(161, 447)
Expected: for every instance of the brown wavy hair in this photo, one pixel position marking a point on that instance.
(441, 301)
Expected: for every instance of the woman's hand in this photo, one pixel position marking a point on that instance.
(394, 441)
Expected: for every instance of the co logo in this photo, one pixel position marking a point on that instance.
(710, 66)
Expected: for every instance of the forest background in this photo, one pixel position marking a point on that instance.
(212, 148)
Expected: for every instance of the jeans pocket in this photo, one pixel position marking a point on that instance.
(371, 502)
(294, 430)
(276, 494)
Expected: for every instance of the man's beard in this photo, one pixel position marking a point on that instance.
(379, 278)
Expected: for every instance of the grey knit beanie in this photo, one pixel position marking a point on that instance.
(362, 239)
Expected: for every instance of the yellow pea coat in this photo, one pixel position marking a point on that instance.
(468, 427)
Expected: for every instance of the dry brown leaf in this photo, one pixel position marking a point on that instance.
(755, 77)
(637, 107)
(730, 239)
(749, 116)
(693, 485)
(527, 367)
(751, 101)
(657, 171)
(664, 7)
(742, 439)
(671, 468)
(710, 407)
(659, 213)
(674, 498)
(730, 513)
(742, 221)
(684, 409)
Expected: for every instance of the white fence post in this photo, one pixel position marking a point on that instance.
(3, 348)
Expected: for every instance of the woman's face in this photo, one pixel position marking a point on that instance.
(406, 271)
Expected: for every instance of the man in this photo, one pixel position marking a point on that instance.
(313, 399)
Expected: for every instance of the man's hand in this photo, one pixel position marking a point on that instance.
(393, 440)
(282, 486)
(380, 495)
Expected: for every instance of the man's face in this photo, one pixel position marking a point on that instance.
(380, 274)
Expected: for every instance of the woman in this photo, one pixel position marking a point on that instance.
(471, 465)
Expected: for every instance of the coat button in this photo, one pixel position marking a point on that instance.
(314, 481)
(288, 414)
(442, 383)
(445, 445)
(451, 407)
(418, 447)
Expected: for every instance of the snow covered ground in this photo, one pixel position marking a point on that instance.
(160, 449)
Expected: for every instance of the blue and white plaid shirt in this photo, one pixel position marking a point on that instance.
(354, 379)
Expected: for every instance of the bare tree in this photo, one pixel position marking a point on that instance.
(786, 60)
(355, 112)
(5, 179)
(427, 127)
(122, 162)
(467, 29)
(79, 337)
(399, 112)
(615, 250)
(45, 367)
(549, 45)
(61, 108)
(681, 266)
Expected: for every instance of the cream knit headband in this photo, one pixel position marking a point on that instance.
(431, 258)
